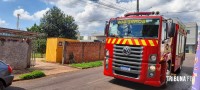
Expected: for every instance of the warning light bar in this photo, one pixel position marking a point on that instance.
(141, 13)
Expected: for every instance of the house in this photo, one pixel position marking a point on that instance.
(192, 35)
(99, 37)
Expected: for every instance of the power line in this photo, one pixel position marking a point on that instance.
(100, 21)
(107, 8)
(110, 6)
(182, 11)
(124, 9)
(107, 5)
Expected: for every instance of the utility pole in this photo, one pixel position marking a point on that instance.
(137, 5)
(18, 15)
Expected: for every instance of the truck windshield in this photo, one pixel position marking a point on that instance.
(139, 28)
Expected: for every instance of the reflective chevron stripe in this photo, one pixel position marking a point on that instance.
(142, 42)
(113, 41)
(151, 43)
(118, 41)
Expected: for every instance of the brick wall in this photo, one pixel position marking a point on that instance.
(15, 53)
(76, 52)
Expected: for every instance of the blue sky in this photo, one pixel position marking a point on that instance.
(91, 16)
(7, 7)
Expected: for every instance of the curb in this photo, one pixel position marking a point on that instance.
(18, 79)
(14, 80)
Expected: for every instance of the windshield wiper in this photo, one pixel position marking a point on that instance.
(114, 36)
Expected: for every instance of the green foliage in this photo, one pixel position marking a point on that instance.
(39, 43)
(87, 65)
(53, 24)
(35, 28)
(39, 55)
(56, 24)
(32, 75)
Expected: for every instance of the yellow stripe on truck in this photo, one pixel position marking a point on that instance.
(113, 41)
(109, 40)
(130, 42)
(124, 42)
(136, 42)
(151, 43)
(144, 43)
(118, 41)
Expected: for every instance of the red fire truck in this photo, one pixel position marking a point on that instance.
(144, 47)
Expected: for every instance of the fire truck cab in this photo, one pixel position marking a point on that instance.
(144, 47)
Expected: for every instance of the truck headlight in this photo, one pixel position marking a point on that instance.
(151, 71)
(153, 57)
(107, 59)
(152, 68)
(151, 74)
(106, 62)
(107, 53)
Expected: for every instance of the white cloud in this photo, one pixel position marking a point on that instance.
(39, 14)
(91, 17)
(2, 23)
(25, 15)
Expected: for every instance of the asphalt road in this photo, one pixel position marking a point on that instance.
(93, 79)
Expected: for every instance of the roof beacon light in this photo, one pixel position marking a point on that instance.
(141, 13)
(157, 12)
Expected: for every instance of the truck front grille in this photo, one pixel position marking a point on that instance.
(132, 61)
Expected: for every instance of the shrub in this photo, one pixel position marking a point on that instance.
(32, 75)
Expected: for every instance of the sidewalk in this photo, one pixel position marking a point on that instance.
(46, 67)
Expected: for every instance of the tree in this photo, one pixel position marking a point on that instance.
(53, 24)
(35, 28)
(56, 24)
(40, 42)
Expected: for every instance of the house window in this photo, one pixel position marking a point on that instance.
(187, 49)
(188, 31)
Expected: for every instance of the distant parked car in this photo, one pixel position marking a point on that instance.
(6, 76)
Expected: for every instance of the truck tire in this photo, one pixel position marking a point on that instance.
(1, 86)
(178, 71)
(167, 72)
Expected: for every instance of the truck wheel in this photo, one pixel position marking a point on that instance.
(178, 71)
(1, 85)
(168, 73)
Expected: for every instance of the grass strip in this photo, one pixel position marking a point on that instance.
(87, 65)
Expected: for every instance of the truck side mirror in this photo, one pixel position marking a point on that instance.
(171, 29)
(106, 28)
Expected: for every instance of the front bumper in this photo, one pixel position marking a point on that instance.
(143, 76)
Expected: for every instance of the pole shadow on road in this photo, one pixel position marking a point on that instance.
(14, 88)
